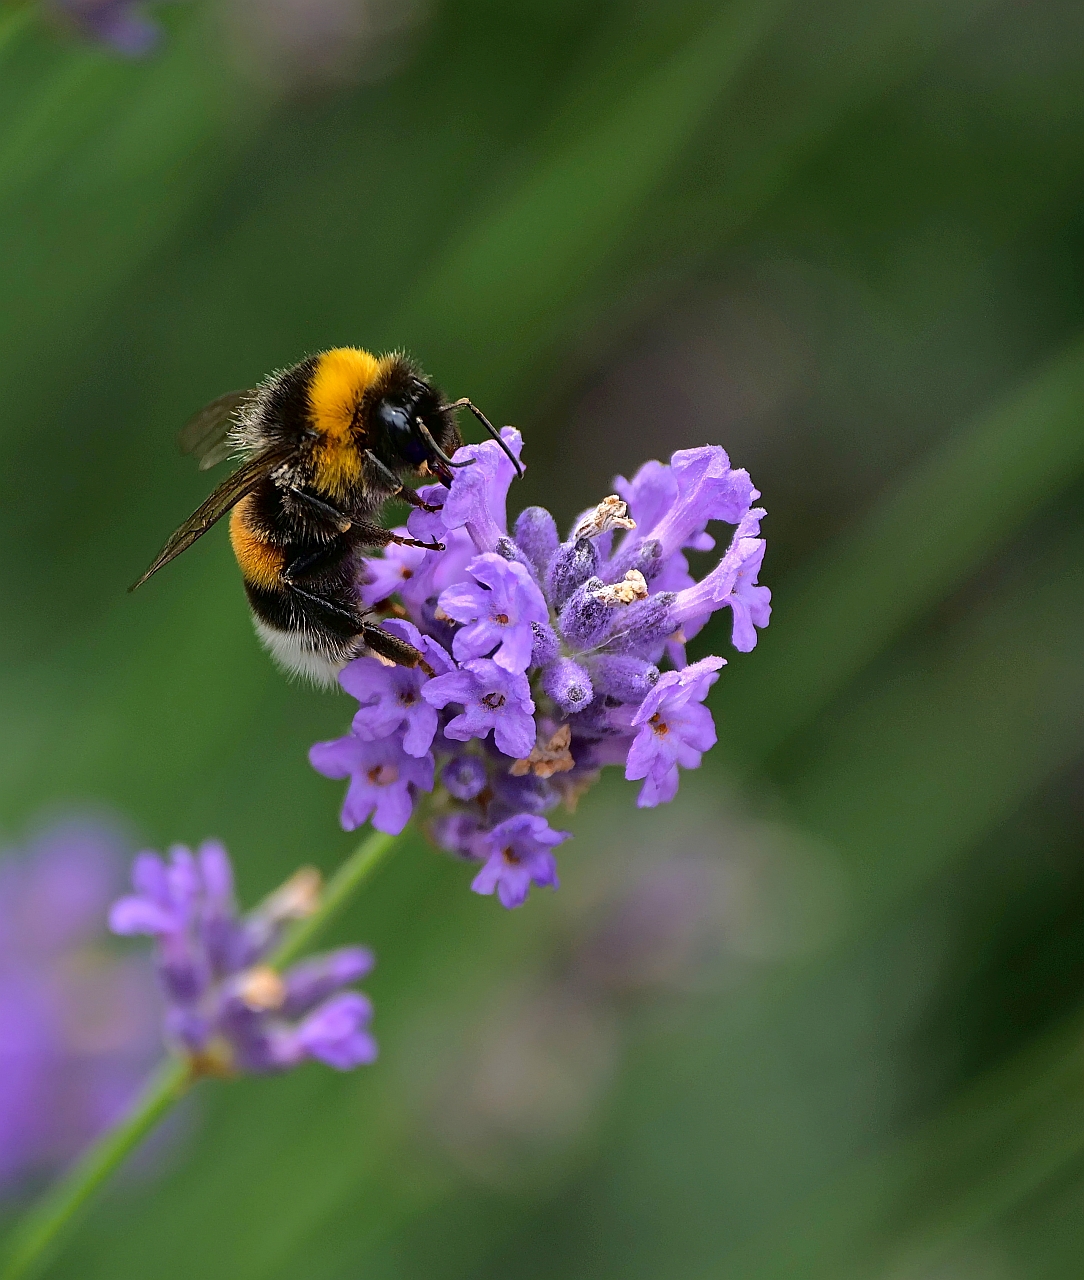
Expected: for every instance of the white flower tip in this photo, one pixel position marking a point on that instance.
(261, 988)
(611, 513)
(631, 588)
(548, 758)
(297, 898)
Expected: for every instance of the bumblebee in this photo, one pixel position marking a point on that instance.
(324, 445)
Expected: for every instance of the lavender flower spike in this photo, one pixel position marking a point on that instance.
(571, 653)
(78, 1024)
(238, 1014)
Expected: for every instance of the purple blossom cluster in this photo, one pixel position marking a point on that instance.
(77, 1022)
(228, 1009)
(545, 656)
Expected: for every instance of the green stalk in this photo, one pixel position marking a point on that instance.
(340, 889)
(45, 1222)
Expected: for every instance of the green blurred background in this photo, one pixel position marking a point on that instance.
(819, 1018)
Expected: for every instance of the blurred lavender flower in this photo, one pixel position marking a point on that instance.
(227, 1008)
(77, 1024)
(121, 24)
(547, 655)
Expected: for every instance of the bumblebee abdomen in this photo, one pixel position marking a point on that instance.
(261, 563)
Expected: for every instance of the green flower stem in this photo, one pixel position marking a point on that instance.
(339, 890)
(44, 1223)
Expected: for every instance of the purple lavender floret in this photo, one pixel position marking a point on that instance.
(121, 24)
(674, 728)
(557, 658)
(496, 611)
(384, 778)
(227, 1008)
(391, 696)
(77, 1022)
(491, 698)
(518, 853)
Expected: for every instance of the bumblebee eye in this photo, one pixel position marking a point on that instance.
(396, 417)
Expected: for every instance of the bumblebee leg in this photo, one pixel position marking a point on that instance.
(374, 637)
(399, 490)
(328, 606)
(303, 566)
(391, 647)
(464, 403)
(409, 495)
(326, 509)
(375, 535)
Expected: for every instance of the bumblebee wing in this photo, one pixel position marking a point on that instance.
(206, 434)
(226, 496)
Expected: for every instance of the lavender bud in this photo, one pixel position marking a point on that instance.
(645, 624)
(187, 1029)
(311, 981)
(624, 677)
(464, 777)
(546, 645)
(585, 619)
(457, 833)
(525, 794)
(591, 725)
(646, 557)
(572, 564)
(508, 550)
(184, 973)
(536, 536)
(568, 684)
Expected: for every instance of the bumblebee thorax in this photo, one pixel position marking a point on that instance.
(340, 379)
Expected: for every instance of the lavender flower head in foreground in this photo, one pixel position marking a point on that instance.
(551, 658)
(77, 1023)
(228, 1010)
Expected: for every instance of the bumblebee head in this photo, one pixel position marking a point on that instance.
(357, 406)
(408, 422)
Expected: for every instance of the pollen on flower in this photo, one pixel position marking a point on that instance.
(659, 725)
(494, 701)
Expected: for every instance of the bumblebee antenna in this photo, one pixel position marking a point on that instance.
(464, 403)
(427, 436)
